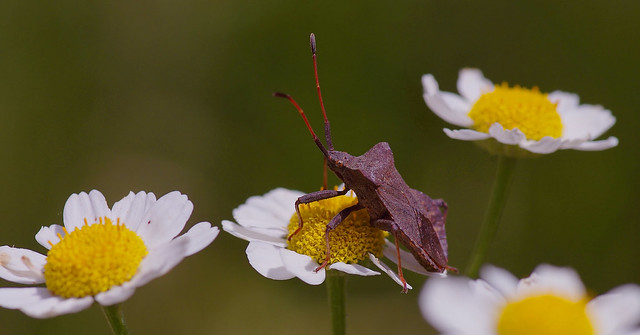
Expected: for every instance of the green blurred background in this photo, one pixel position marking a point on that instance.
(160, 95)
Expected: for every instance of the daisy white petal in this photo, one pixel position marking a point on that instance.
(553, 280)
(98, 203)
(267, 213)
(198, 237)
(353, 269)
(586, 122)
(546, 145)
(472, 84)
(54, 306)
(167, 217)
(455, 103)
(48, 236)
(83, 206)
(618, 310)
(38, 302)
(266, 228)
(253, 234)
(460, 306)
(258, 219)
(18, 297)
(66, 306)
(598, 145)
(302, 266)
(116, 294)
(573, 144)
(566, 101)
(434, 99)
(134, 209)
(466, 134)
(506, 136)
(265, 258)
(386, 269)
(500, 279)
(275, 206)
(160, 261)
(166, 257)
(21, 266)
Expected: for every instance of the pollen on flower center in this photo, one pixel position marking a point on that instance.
(350, 242)
(515, 107)
(93, 258)
(545, 314)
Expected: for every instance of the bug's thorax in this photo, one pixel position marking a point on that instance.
(374, 166)
(364, 174)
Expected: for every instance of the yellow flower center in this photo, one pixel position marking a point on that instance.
(350, 242)
(93, 258)
(545, 314)
(517, 107)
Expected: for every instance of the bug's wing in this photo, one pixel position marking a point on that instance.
(433, 213)
(407, 211)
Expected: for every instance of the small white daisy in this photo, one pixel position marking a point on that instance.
(101, 254)
(552, 301)
(515, 116)
(266, 222)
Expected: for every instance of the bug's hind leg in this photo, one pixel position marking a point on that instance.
(443, 207)
(392, 227)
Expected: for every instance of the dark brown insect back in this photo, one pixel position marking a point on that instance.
(414, 219)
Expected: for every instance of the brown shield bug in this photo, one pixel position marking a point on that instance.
(414, 219)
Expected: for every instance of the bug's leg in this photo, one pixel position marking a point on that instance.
(324, 174)
(335, 221)
(391, 226)
(404, 281)
(299, 220)
(312, 197)
(443, 207)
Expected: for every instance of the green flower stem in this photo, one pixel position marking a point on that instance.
(492, 216)
(336, 289)
(115, 317)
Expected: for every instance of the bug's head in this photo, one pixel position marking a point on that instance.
(340, 162)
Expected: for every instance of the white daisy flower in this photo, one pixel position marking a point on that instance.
(552, 301)
(101, 254)
(267, 221)
(515, 116)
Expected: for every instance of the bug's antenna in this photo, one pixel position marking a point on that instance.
(327, 128)
(304, 117)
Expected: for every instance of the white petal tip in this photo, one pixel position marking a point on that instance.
(466, 134)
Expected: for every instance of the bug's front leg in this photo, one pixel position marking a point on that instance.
(335, 221)
(312, 197)
(392, 227)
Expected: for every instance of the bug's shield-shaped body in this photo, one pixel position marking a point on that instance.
(417, 220)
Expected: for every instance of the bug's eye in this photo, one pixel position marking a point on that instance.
(339, 163)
